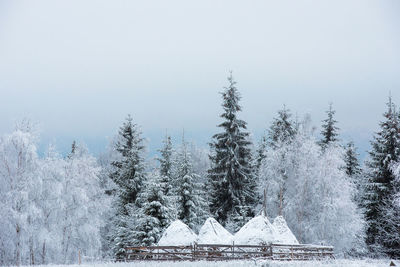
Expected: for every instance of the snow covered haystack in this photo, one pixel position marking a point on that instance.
(284, 235)
(213, 233)
(255, 232)
(177, 234)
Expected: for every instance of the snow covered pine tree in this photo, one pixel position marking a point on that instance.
(352, 165)
(129, 175)
(231, 177)
(191, 206)
(380, 191)
(153, 215)
(166, 165)
(282, 129)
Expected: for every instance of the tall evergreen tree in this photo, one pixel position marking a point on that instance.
(129, 175)
(381, 187)
(166, 165)
(282, 129)
(231, 177)
(329, 129)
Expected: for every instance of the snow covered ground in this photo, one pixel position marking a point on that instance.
(261, 263)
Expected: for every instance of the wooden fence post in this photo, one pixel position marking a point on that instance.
(291, 252)
(79, 257)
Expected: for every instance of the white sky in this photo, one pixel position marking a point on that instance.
(78, 67)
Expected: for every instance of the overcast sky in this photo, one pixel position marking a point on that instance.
(79, 67)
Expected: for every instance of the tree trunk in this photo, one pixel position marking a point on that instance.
(265, 202)
(44, 253)
(31, 251)
(18, 246)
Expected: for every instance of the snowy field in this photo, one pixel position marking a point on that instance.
(263, 263)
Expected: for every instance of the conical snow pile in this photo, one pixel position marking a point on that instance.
(285, 236)
(177, 234)
(213, 233)
(257, 231)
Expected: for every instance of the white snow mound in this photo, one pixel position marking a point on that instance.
(213, 233)
(177, 234)
(255, 232)
(285, 236)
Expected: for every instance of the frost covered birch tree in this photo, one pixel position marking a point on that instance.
(319, 207)
(50, 207)
(80, 202)
(18, 184)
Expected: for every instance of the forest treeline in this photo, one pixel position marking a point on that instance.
(54, 208)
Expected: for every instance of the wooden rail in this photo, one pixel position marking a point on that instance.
(229, 252)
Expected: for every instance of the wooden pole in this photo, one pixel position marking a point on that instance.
(280, 201)
(79, 257)
(291, 252)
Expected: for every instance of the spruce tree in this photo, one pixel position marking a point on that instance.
(282, 129)
(191, 206)
(381, 188)
(260, 152)
(166, 165)
(350, 158)
(73, 147)
(329, 129)
(232, 180)
(128, 174)
(354, 172)
(153, 216)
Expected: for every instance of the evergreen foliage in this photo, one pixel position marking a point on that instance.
(260, 152)
(282, 129)
(354, 172)
(191, 206)
(329, 129)
(381, 186)
(166, 162)
(153, 216)
(129, 175)
(231, 177)
(352, 165)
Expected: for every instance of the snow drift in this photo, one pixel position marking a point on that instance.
(284, 234)
(177, 234)
(214, 233)
(257, 231)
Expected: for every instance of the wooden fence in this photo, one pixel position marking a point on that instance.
(229, 252)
